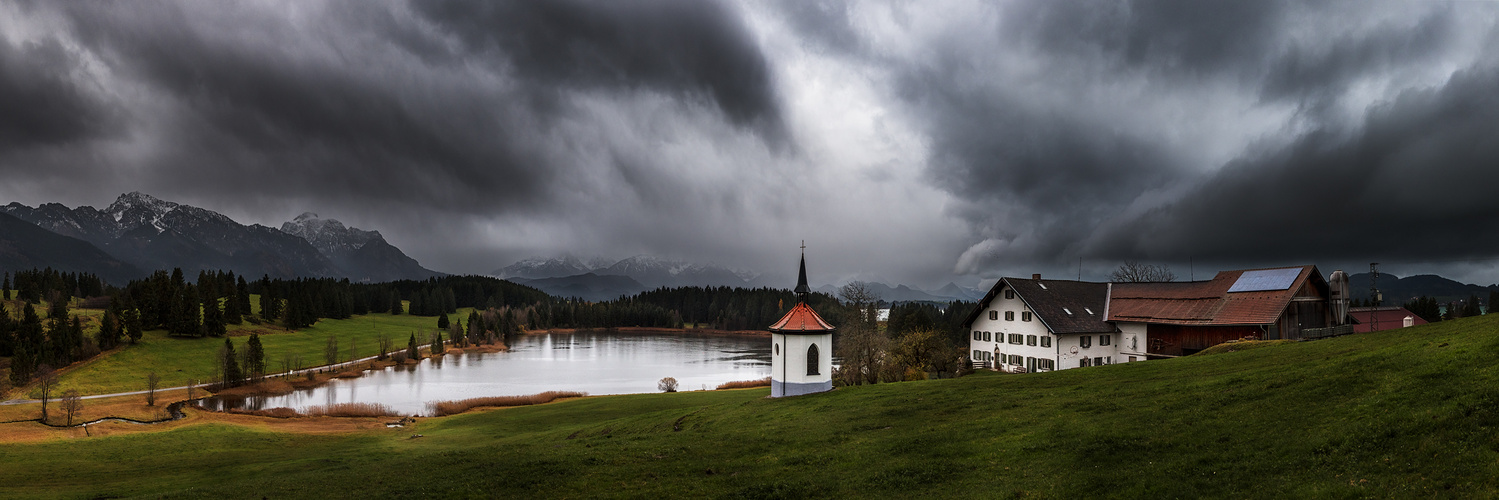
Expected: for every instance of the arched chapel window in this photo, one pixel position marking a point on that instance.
(812, 360)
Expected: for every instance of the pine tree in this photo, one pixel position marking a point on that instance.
(232, 314)
(242, 296)
(133, 327)
(189, 321)
(109, 331)
(395, 302)
(229, 364)
(6, 287)
(437, 343)
(442, 321)
(256, 357)
(411, 350)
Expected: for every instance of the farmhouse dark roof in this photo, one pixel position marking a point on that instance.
(1063, 306)
(1204, 302)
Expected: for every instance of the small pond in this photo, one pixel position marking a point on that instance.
(596, 362)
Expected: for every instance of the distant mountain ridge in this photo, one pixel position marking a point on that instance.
(1397, 290)
(24, 246)
(569, 276)
(149, 233)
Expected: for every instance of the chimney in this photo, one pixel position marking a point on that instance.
(1036, 277)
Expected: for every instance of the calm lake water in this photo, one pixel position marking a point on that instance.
(592, 362)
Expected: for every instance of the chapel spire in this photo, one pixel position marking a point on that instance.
(801, 278)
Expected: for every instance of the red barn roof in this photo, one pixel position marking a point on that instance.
(1212, 302)
(801, 319)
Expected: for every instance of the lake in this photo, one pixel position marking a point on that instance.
(596, 362)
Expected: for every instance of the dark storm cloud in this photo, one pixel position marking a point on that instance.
(1052, 172)
(696, 49)
(41, 102)
(1417, 181)
(378, 102)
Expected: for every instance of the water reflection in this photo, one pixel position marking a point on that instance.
(592, 362)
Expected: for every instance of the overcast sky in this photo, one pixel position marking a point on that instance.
(914, 142)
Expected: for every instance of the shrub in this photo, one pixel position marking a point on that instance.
(744, 384)
(441, 408)
(667, 384)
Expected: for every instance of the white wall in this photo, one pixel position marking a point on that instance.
(1000, 329)
(791, 365)
(1132, 341)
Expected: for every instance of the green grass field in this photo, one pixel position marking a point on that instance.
(1403, 413)
(177, 360)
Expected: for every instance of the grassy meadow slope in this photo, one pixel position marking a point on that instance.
(177, 360)
(1402, 413)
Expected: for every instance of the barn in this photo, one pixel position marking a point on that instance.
(1181, 318)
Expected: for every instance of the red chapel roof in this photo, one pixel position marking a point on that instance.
(801, 319)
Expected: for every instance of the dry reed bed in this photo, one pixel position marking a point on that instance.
(442, 408)
(745, 384)
(333, 410)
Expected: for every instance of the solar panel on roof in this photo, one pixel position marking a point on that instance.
(1266, 280)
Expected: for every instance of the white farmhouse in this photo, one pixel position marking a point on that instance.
(1043, 325)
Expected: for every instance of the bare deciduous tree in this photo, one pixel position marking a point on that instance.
(668, 384)
(863, 350)
(330, 354)
(152, 381)
(862, 298)
(71, 405)
(1135, 272)
(46, 381)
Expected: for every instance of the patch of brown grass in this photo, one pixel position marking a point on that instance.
(351, 410)
(442, 408)
(745, 384)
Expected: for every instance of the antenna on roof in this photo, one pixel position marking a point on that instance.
(1191, 270)
(1374, 295)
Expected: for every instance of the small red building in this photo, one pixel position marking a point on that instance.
(1373, 319)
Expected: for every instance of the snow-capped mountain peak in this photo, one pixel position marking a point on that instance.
(329, 235)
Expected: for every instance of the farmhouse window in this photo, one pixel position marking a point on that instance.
(1017, 339)
(1016, 359)
(993, 315)
(986, 336)
(1082, 362)
(1030, 364)
(1085, 341)
(1030, 340)
(978, 355)
(1098, 361)
(1025, 316)
(977, 335)
(1009, 315)
(1131, 359)
(1103, 340)
(1009, 294)
(1046, 341)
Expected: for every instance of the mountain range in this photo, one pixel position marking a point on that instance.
(1397, 290)
(598, 279)
(145, 233)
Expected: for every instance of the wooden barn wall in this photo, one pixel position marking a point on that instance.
(1179, 340)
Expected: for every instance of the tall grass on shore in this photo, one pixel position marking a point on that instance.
(745, 384)
(443, 408)
(351, 410)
